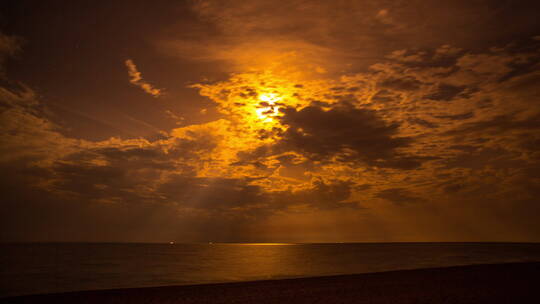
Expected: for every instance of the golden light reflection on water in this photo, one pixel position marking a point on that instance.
(265, 244)
(258, 261)
(256, 244)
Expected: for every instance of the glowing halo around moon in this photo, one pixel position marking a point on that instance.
(268, 108)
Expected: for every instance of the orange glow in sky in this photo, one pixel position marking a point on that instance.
(249, 121)
(268, 108)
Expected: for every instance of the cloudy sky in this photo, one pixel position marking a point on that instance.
(270, 121)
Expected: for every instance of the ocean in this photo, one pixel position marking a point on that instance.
(60, 267)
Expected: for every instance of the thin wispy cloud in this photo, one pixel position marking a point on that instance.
(136, 79)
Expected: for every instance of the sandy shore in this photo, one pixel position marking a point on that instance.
(503, 283)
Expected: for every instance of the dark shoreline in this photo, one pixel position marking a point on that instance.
(489, 283)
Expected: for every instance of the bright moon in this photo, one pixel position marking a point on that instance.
(268, 108)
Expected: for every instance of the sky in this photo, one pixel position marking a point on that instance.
(270, 121)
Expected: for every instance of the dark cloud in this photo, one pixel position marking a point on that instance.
(353, 33)
(401, 84)
(399, 196)
(423, 123)
(345, 132)
(453, 188)
(383, 96)
(334, 195)
(465, 148)
(479, 159)
(226, 194)
(325, 196)
(499, 124)
(212, 193)
(456, 116)
(445, 92)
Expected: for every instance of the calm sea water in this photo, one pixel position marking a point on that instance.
(60, 267)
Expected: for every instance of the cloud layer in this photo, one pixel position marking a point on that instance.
(339, 122)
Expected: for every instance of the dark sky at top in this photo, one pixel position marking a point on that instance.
(262, 121)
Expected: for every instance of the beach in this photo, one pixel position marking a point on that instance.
(496, 283)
